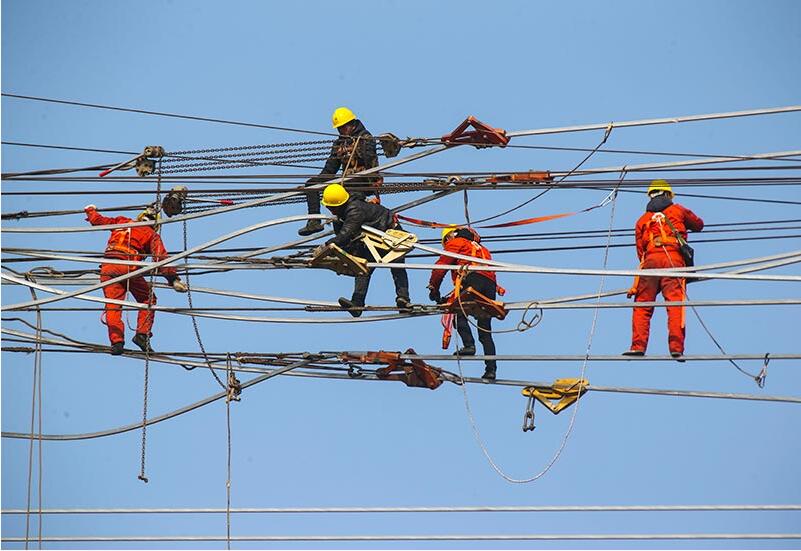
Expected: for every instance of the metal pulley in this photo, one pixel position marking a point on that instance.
(173, 203)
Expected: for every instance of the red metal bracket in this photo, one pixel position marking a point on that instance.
(414, 373)
(483, 135)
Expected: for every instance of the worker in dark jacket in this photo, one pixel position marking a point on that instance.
(352, 212)
(354, 151)
(465, 241)
(657, 235)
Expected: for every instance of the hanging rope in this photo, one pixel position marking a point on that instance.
(571, 424)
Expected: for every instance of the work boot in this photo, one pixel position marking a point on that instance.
(404, 304)
(466, 351)
(142, 341)
(633, 352)
(489, 373)
(349, 305)
(312, 226)
(677, 356)
(117, 348)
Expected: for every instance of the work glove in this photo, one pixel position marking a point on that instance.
(631, 292)
(90, 207)
(179, 285)
(317, 250)
(434, 295)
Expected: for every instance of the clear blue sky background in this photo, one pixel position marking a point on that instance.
(415, 69)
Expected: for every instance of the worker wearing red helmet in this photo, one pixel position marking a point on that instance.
(132, 244)
(658, 248)
(465, 241)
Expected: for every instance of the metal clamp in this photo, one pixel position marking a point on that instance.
(234, 388)
(528, 415)
(355, 372)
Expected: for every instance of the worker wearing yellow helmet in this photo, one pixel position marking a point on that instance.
(351, 213)
(661, 238)
(465, 241)
(353, 151)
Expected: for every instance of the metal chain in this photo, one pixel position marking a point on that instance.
(191, 308)
(246, 147)
(255, 162)
(183, 159)
(157, 229)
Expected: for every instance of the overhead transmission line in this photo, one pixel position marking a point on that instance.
(165, 114)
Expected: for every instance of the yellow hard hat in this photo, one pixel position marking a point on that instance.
(149, 213)
(447, 231)
(660, 185)
(335, 195)
(342, 115)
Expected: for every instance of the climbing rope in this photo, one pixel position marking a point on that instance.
(571, 424)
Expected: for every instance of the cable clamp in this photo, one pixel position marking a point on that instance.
(763, 373)
(528, 415)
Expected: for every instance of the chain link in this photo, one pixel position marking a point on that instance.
(232, 157)
(191, 308)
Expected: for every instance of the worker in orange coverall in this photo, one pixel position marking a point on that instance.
(133, 244)
(658, 248)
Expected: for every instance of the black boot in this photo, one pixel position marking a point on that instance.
(469, 350)
(117, 349)
(489, 371)
(312, 226)
(404, 304)
(142, 341)
(349, 305)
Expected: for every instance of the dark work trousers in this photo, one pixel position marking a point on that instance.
(362, 282)
(486, 287)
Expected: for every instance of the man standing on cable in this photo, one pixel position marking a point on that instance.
(465, 241)
(352, 212)
(132, 244)
(354, 151)
(657, 234)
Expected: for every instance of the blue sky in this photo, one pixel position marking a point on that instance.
(415, 69)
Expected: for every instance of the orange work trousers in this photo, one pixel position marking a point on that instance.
(673, 289)
(141, 291)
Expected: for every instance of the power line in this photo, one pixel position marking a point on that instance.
(460, 537)
(371, 510)
(164, 114)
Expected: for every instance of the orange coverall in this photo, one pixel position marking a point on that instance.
(129, 244)
(658, 249)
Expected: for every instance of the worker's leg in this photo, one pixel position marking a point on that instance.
(143, 293)
(116, 291)
(313, 199)
(401, 280)
(463, 328)
(673, 290)
(647, 289)
(360, 286)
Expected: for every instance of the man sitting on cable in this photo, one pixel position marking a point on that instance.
(352, 212)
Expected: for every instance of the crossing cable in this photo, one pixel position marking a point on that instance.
(175, 413)
(37, 386)
(90, 298)
(163, 114)
(607, 132)
(370, 377)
